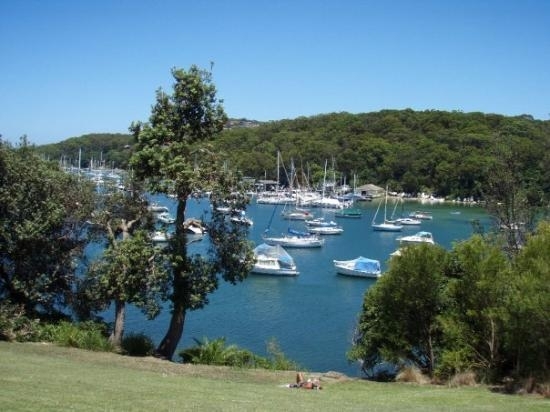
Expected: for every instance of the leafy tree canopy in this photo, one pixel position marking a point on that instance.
(42, 222)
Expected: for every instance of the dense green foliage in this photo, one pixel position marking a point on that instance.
(86, 335)
(472, 323)
(217, 352)
(137, 344)
(130, 271)
(399, 319)
(472, 308)
(109, 150)
(42, 225)
(15, 325)
(448, 153)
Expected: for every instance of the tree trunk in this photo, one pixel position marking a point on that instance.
(178, 246)
(118, 330)
(431, 354)
(168, 345)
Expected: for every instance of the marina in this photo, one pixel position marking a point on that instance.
(311, 316)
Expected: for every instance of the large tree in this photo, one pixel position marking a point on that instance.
(131, 269)
(473, 323)
(43, 211)
(513, 198)
(173, 154)
(398, 322)
(528, 305)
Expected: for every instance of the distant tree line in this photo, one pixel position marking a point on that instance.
(107, 150)
(449, 154)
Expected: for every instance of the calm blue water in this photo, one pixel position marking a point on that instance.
(312, 316)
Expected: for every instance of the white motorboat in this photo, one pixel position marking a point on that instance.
(166, 218)
(156, 208)
(387, 227)
(422, 215)
(160, 236)
(194, 226)
(295, 239)
(328, 203)
(359, 267)
(326, 230)
(273, 260)
(320, 221)
(242, 219)
(419, 237)
(409, 221)
(296, 214)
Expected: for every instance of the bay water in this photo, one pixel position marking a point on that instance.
(312, 317)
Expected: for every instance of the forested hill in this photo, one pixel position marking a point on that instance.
(448, 153)
(111, 149)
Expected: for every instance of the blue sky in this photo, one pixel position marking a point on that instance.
(69, 68)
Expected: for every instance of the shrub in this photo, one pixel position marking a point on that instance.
(137, 344)
(544, 389)
(411, 374)
(216, 352)
(277, 359)
(463, 379)
(452, 363)
(15, 325)
(85, 335)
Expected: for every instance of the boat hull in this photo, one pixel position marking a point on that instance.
(359, 267)
(326, 230)
(348, 215)
(387, 227)
(344, 270)
(294, 242)
(264, 270)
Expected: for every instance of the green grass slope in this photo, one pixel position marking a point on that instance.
(45, 377)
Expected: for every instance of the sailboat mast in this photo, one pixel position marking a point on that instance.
(325, 179)
(278, 172)
(386, 205)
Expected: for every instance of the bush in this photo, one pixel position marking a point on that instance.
(15, 325)
(463, 379)
(411, 374)
(453, 362)
(137, 344)
(277, 359)
(216, 352)
(85, 335)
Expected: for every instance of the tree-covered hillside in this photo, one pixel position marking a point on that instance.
(106, 149)
(450, 154)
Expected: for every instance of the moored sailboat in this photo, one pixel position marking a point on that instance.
(386, 225)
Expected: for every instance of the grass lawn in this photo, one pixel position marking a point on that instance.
(44, 377)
